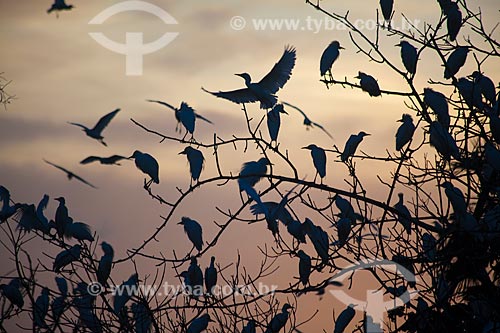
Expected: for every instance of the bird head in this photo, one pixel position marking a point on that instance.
(286, 307)
(405, 117)
(61, 200)
(183, 220)
(212, 259)
(310, 147)
(245, 76)
(337, 45)
(264, 161)
(107, 248)
(279, 108)
(360, 75)
(363, 134)
(135, 154)
(401, 43)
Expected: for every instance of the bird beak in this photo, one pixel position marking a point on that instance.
(398, 44)
(341, 48)
(304, 148)
(180, 222)
(283, 111)
(181, 153)
(240, 75)
(367, 134)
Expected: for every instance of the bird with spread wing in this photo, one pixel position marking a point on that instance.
(96, 131)
(70, 174)
(308, 122)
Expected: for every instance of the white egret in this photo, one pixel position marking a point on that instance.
(250, 327)
(62, 217)
(438, 103)
(210, 276)
(352, 145)
(70, 174)
(368, 84)
(7, 210)
(344, 226)
(263, 91)
(387, 6)
(304, 267)
(492, 155)
(127, 290)
(274, 121)
(142, 317)
(403, 216)
(96, 131)
(199, 324)
(319, 239)
(196, 161)
(59, 5)
(194, 232)
(456, 198)
(148, 165)
(319, 160)
(455, 61)
(409, 56)
(195, 276)
(78, 230)
(405, 131)
(486, 86)
(453, 20)
(12, 292)
(66, 257)
(307, 121)
(443, 142)
(40, 308)
(344, 319)
(104, 160)
(105, 264)
(330, 54)
(279, 321)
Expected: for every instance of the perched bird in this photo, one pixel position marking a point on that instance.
(470, 92)
(442, 140)
(126, 292)
(456, 198)
(194, 232)
(344, 319)
(184, 115)
(44, 222)
(405, 131)
(62, 217)
(78, 230)
(59, 303)
(486, 86)
(59, 5)
(409, 56)
(453, 20)
(250, 327)
(70, 174)
(274, 121)
(429, 246)
(403, 216)
(196, 161)
(444, 4)
(111, 160)
(319, 160)
(250, 174)
(210, 276)
(438, 103)
(148, 165)
(368, 84)
(7, 210)
(304, 267)
(308, 122)
(263, 91)
(29, 221)
(386, 6)
(12, 292)
(105, 264)
(296, 229)
(319, 239)
(279, 321)
(345, 207)
(40, 308)
(455, 61)
(352, 145)
(66, 257)
(330, 54)
(344, 226)
(195, 276)
(96, 131)
(142, 317)
(199, 324)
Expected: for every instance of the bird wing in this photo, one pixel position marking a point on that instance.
(322, 128)
(239, 96)
(203, 118)
(83, 180)
(305, 116)
(90, 159)
(162, 103)
(79, 125)
(296, 108)
(116, 158)
(104, 121)
(280, 74)
(57, 166)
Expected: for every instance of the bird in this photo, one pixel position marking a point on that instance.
(352, 144)
(195, 276)
(44, 223)
(250, 327)
(444, 4)
(184, 115)
(279, 321)
(345, 207)
(386, 6)
(199, 324)
(7, 210)
(125, 292)
(403, 215)
(443, 142)
(40, 308)
(329, 56)
(59, 5)
(344, 319)
(308, 122)
(494, 122)
(96, 131)
(486, 86)
(470, 92)
(66, 257)
(319, 160)
(274, 121)
(296, 229)
(455, 61)
(304, 267)
(438, 103)
(105, 264)
(59, 303)
(148, 165)
(455, 197)
(12, 291)
(429, 246)
(344, 226)
(405, 131)
(70, 174)
(251, 173)
(263, 91)
(194, 232)
(319, 239)
(111, 160)
(368, 84)
(492, 156)
(453, 20)
(29, 220)
(142, 317)
(196, 161)
(210, 276)
(409, 56)
(78, 230)
(62, 217)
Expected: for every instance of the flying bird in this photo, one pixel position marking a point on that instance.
(263, 91)
(70, 174)
(319, 160)
(438, 103)
(111, 160)
(352, 145)
(96, 131)
(329, 56)
(194, 232)
(368, 84)
(274, 121)
(405, 131)
(196, 161)
(148, 165)
(308, 122)
(59, 5)
(409, 56)
(455, 61)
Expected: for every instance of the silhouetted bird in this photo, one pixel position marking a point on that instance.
(492, 155)
(58, 305)
(455, 61)
(308, 122)
(249, 328)
(409, 56)
(210, 276)
(195, 276)
(470, 92)
(59, 5)
(403, 216)
(42, 205)
(184, 115)
(455, 197)
(78, 230)
(346, 209)
(196, 161)
(12, 292)
(142, 317)
(442, 140)
(250, 174)
(486, 86)
(199, 324)
(105, 264)
(7, 210)
(438, 103)
(319, 160)
(352, 145)
(296, 229)
(148, 165)
(330, 54)
(368, 84)
(29, 221)
(70, 174)
(40, 308)
(279, 321)
(104, 160)
(344, 226)
(304, 267)
(66, 257)
(405, 131)
(386, 6)
(429, 246)
(96, 131)
(274, 121)
(344, 319)
(444, 4)
(494, 125)
(62, 217)
(263, 91)
(319, 239)
(126, 291)
(453, 20)
(194, 231)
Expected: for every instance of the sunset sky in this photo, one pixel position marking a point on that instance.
(60, 74)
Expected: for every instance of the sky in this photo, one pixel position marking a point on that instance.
(60, 74)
